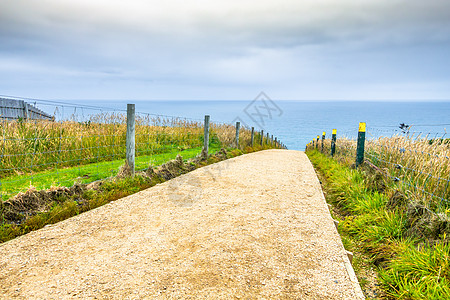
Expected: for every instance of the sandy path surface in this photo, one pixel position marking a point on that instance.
(253, 227)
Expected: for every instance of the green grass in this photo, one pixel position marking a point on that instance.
(88, 173)
(68, 207)
(111, 189)
(409, 267)
(36, 145)
(419, 273)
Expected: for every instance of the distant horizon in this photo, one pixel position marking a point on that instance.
(237, 100)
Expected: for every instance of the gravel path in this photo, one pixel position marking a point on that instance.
(256, 226)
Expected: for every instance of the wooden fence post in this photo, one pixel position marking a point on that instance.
(238, 126)
(262, 137)
(206, 135)
(253, 136)
(333, 142)
(130, 142)
(360, 144)
(317, 142)
(25, 110)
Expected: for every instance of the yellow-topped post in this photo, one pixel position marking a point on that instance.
(317, 142)
(362, 127)
(333, 142)
(323, 139)
(360, 144)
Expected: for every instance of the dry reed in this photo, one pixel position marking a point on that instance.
(418, 164)
(32, 146)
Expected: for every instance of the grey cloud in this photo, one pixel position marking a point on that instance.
(128, 43)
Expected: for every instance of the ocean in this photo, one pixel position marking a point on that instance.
(295, 123)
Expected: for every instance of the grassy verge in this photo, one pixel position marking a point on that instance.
(40, 208)
(388, 233)
(88, 173)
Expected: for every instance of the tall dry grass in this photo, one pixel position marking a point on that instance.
(418, 164)
(31, 146)
(226, 134)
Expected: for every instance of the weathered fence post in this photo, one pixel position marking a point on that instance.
(130, 142)
(317, 142)
(323, 139)
(360, 144)
(238, 126)
(25, 110)
(253, 136)
(206, 135)
(262, 137)
(276, 142)
(333, 142)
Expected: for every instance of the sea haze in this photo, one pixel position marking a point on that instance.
(297, 122)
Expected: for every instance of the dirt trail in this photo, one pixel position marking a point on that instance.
(256, 226)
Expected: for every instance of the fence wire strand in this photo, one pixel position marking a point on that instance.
(84, 143)
(416, 160)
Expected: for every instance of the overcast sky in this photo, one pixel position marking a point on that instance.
(174, 49)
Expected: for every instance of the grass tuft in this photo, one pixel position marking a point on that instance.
(407, 244)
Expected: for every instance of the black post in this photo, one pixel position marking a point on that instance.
(262, 137)
(360, 145)
(317, 142)
(333, 143)
(253, 136)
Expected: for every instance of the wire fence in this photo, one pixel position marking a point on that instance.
(82, 144)
(415, 158)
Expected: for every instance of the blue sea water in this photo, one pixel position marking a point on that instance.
(295, 123)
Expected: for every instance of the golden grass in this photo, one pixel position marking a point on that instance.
(32, 146)
(419, 165)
